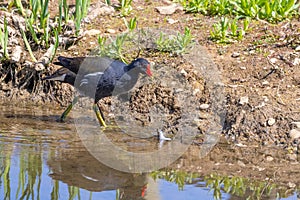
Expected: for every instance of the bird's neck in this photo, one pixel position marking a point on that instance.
(129, 67)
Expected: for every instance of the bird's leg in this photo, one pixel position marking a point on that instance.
(69, 108)
(99, 115)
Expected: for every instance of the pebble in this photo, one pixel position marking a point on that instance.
(291, 185)
(296, 61)
(271, 121)
(297, 48)
(297, 124)
(92, 32)
(16, 55)
(273, 60)
(295, 134)
(240, 163)
(243, 68)
(244, 100)
(168, 10)
(204, 106)
(109, 30)
(269, 158)
(235, 54)
(172, 21)
(183, 72)
(265, 83)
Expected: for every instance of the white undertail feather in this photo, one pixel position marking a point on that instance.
(58, 78)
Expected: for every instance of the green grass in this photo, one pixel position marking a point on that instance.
(174, 43)
(234, 11)
(4, 40)
(272, 11)
(125, 7)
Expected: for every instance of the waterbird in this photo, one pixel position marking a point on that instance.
(98, 77)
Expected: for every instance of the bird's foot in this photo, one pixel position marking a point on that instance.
(162, 136)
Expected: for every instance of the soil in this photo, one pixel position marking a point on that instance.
(260, 76)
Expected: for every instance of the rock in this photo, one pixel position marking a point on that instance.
(296, 61)
(92, 32)
(172, 21)
(269, 158)
(183, 72)
(297, 124)
(244, 100)
(273, 60)
(291, 185)
(271, 121)
(112, 31)
(265, 83)
(16, 54)
(294, 134)
(169, 10)
(235, 55)
(297, 48)
(204, 106)
(243, 68)
(240, 163)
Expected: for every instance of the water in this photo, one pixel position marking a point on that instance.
(43, 159)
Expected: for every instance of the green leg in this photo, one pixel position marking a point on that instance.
(69, 108)
(99, 115)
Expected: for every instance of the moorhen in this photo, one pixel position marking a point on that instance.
(98, 77)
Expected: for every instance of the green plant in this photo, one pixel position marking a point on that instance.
(174, 43)
(114, 49)
(226, 31)
(4, 39)
(125, 7)
(131, 25)
(28, 46)
(80, 13)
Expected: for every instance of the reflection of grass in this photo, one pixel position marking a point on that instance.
(238, 186)
(178, 177)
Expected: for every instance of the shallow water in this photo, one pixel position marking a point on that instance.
(43, 159)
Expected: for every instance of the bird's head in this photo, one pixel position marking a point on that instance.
(142, 65)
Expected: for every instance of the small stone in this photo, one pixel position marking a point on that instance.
(92, 32)
(297, 124)
(269, 158)
(172, 21)
(266, 99)
(109, 30)
(294, 134)
(169, 10)
(265, 83)
(291, 185)
(183, 72)
(203, 115)
(273, 60)
(243, 68)
(244, 100)
(271, 121)
(240, 163)
(292, 157)
(204, 106)
(296, 61)
(16, 55)
(235, 54)
(297, 48)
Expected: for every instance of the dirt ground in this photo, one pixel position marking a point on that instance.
(260, 75)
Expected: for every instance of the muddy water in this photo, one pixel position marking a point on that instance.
(43, 159)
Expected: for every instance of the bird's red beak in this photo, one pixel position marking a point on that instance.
(148, 71)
